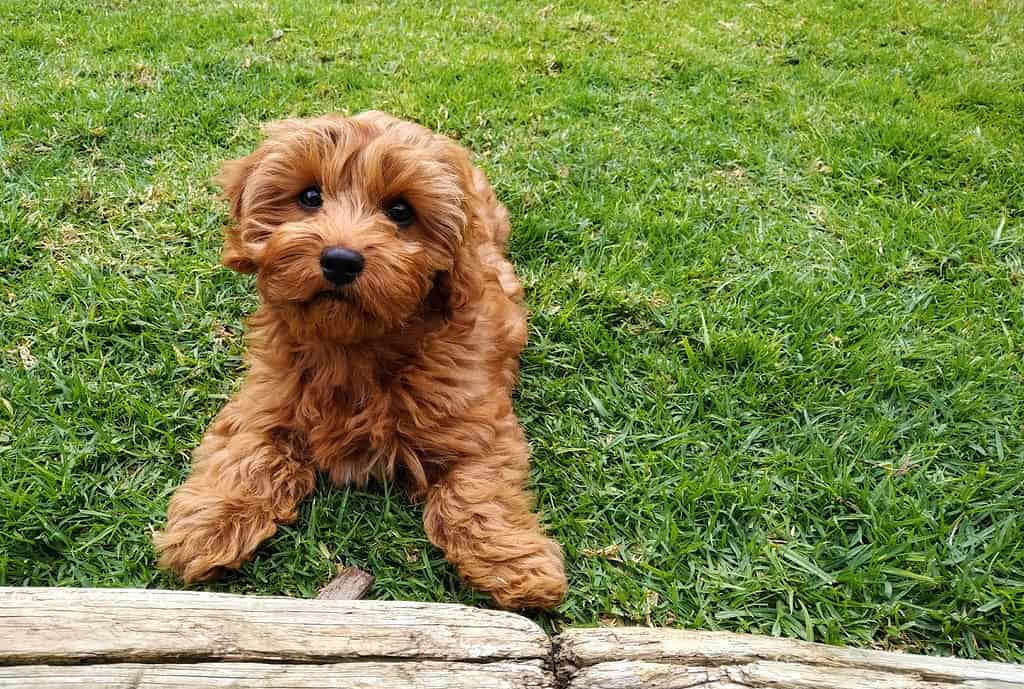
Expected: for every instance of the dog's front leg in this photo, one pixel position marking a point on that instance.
(479, 513)
(244, 481)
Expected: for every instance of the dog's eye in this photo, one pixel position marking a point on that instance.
(310, 197)
(400, 212)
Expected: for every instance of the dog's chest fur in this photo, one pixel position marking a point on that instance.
(373, 415)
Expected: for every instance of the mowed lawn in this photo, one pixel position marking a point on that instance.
(774, 255)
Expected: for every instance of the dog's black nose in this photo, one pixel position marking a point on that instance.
(341, 266)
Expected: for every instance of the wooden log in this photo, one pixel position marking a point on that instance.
(60, 626)
(352, 675)
(631, 674)
(52, 638)
(641, 658)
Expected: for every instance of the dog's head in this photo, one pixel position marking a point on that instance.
(353, 225)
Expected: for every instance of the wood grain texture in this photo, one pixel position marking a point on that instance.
(635, 674)
(632, 674)
(671, 659)
(351, 675)
(55, 625)
(125, 638)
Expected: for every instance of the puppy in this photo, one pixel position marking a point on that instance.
(385, 347)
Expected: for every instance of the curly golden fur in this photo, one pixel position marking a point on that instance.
(404, 374)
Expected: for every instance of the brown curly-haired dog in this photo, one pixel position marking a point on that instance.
(385, 347)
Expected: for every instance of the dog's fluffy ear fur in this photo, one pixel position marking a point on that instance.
(463, 283)
(232, 178)
(460, 286)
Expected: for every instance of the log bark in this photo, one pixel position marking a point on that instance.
(353, 675)
(62, 626)
(642, 658)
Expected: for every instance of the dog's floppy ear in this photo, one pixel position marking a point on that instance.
(463, 283)
(232, 180)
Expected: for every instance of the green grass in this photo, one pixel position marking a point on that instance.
(774, 254)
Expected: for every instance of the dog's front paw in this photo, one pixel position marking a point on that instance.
(535, 579)
(184, 556)
(204, 536)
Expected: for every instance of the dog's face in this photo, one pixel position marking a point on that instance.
(350, 224)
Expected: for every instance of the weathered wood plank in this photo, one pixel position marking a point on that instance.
(57, 625)
(642, 658)
(636, 674)
(799, 676)
(52, 638)
(633, 674)
(351, 675)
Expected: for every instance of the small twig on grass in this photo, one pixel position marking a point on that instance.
(351, 583)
